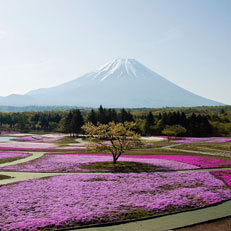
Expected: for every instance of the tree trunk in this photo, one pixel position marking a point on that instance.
(114, 160)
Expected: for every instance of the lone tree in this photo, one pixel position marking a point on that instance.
(173, 130)
(113, 138)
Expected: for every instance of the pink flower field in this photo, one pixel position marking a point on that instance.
(25, 145)
(38, 139)
(202, 139)
(199, 161)
(73, 200)
(37, 146)
(73, 162)
(12, 155)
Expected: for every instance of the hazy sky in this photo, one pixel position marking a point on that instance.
(47, 42)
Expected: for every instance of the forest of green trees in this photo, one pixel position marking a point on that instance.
(148, 122)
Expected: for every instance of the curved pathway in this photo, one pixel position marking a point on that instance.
(161, 223)
(33, 156)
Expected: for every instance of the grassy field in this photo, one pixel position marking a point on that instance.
(3, 177)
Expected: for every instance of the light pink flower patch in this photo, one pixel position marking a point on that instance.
(38, 139)
(26, 146)
(72, 163)
(202, 139)
(72, 148)
(12, 155)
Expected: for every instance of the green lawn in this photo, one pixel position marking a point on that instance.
(3, 177)
(120, 166)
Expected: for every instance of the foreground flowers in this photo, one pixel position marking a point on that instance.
(70, 200)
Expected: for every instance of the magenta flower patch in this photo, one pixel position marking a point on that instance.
(225, 175)
(200, 161)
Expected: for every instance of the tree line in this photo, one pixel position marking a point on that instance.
(147, 123)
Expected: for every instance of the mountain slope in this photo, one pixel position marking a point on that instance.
(121, 83)
(17, 100)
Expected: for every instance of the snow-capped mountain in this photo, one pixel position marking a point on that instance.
(120, 83)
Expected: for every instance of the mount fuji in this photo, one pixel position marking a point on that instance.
(120, 83)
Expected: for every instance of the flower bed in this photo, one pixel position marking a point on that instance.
(74, 200)
(73, 162)
(199, 161)
(8, 156)
(76, 162)
(26, 146)
(202, 139)
(38, 146)
(38, 139)
(224, 175)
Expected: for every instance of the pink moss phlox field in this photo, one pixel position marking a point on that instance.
(67, 200)
(26, 145)
(202, 139)
(200, 161)
(72, 163)
(38, 139)
(225, 175)
(72, 148)
(10, 155)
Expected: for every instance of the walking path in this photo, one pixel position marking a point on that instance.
(161, 223)
(33, 156)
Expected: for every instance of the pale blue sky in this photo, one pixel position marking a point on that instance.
(47, 42)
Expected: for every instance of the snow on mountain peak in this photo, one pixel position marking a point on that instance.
(118, 68)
